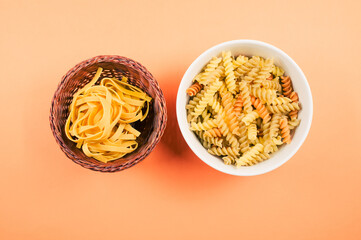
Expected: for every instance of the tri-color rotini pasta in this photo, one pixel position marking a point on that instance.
(242, 108)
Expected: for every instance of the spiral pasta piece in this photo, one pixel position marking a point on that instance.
(213, 88)
(231, 118)
(245, 94)
(294, 113)
(248, 66)
(293, 123)
(264, 72)
(271, 84)
(265, 95)
(211, 66)
(250, 117)
(212, 76)
(224, 151)
(206, 125)
(239, 61)
(277, 71)
(281, 100)
(252, 132)
(285, 131)
(194, 89)
(286, 86)
(251, 75)
(275, 125)
(228, 67)
(231, 139)
(283, 108)
(198, 77)
(249, 157)
(214, 132)
(195, 100)
(212, 140)
(229, 160)
(261, 109)
(267, 141)
(238, 104)
(243, 140)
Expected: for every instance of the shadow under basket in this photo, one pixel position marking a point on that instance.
(152, 128)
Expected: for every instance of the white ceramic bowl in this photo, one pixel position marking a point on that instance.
(299, 81)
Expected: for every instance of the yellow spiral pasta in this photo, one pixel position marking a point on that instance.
(211, 66)
(277, 71)
(212, 76)
(250, 117)
(245, 97)
(249, 157)
(224, 151)
(229, 160)
(252, 132)
(213, 88)
(239, 61)
(212, 140)
(231, 118)
(275, 126)
(228, 67)
(248, 66)
(263, 73)
(100, 117)
(271, 84)
(206, 125)
(265, 95)
(280, 101)
(293, 123)
(283, 108)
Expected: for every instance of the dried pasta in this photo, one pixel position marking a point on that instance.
(100, 117)
(243, 109)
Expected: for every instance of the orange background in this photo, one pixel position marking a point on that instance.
(172, 194)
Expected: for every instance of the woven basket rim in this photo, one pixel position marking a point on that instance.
(160, 101)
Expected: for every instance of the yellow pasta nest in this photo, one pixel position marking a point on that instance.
(242, 108)
(100, 117)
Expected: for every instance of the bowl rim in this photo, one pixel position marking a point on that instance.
(160, 101)
(184, 126)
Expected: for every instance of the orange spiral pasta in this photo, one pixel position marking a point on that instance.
(194, 89)
(238, 104)
(286, 86)
(214, 132)
(285, 131)
(294, 98)
(261, 109)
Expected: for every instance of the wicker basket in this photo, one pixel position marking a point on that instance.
(152, 127)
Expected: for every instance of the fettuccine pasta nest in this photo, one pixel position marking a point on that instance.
(100, 117)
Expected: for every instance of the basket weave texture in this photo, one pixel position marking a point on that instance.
(152, 128)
